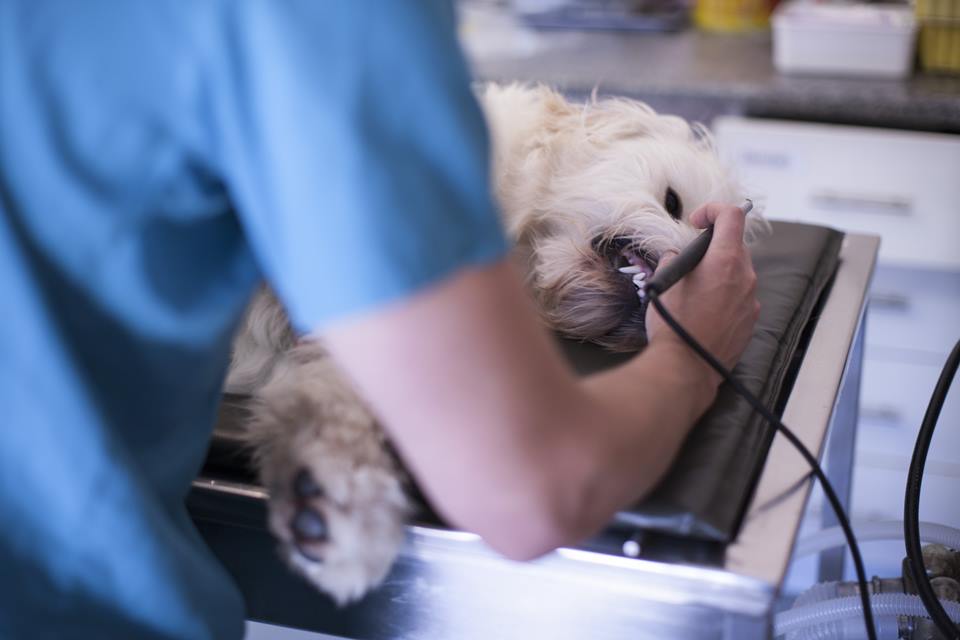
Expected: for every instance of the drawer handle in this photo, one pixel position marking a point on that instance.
(889, 301)
(886, 414)
(854, 203)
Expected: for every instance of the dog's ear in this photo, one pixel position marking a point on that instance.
(518, 106)
(556, 109)
(611, 119)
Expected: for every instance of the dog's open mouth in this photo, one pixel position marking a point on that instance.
(633, 263)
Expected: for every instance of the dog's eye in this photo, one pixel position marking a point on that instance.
(671, 202)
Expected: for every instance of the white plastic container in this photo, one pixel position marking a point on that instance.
(844, 39)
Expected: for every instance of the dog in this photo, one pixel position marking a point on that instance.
(591, 195)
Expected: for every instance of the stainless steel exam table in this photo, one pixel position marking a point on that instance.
(447, 584)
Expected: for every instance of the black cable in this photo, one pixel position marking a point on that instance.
(652, 294)
(911, 506)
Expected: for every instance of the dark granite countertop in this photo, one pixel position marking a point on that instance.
(700, 75)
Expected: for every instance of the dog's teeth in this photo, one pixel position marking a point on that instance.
(632, 269)
(640, 276)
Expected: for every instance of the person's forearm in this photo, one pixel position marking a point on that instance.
(503, 438)
(587, 448)
(641, 414)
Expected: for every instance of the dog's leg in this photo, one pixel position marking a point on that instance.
(263, 338)
(337, 500)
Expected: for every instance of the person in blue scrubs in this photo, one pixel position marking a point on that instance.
(158, 160)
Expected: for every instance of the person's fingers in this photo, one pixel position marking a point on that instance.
(728, 223)
(705, 215)
(665, 259)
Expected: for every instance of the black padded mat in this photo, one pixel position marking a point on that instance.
(707, 490)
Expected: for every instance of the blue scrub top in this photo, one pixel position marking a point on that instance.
(157, 160)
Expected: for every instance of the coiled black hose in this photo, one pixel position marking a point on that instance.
(911, 503)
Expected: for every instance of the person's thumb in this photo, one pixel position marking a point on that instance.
(665, 259)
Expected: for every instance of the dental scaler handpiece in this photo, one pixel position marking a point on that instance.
(687, 260)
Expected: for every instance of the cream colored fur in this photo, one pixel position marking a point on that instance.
(581, 188)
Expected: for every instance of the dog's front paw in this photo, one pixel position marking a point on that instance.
(308, 526)
(339, 518)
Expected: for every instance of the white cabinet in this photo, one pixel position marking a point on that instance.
(894, 395)
(904, 187)
(914, 310)
(900, 185)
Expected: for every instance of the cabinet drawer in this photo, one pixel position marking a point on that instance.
(915, 309)
(899, 185)
(877, 494)
(893, 399)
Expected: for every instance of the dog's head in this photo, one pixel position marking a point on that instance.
(590, 191)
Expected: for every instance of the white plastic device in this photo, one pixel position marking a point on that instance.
(844, 38)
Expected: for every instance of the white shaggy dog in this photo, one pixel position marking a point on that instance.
(587, 192)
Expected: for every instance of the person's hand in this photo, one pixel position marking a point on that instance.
(716, 302)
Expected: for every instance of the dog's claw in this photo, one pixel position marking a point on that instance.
(305, 486)
(308, 525)
(306, 555)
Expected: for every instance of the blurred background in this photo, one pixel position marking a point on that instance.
(845, 114)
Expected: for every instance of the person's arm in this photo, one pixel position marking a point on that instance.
(503, 438)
